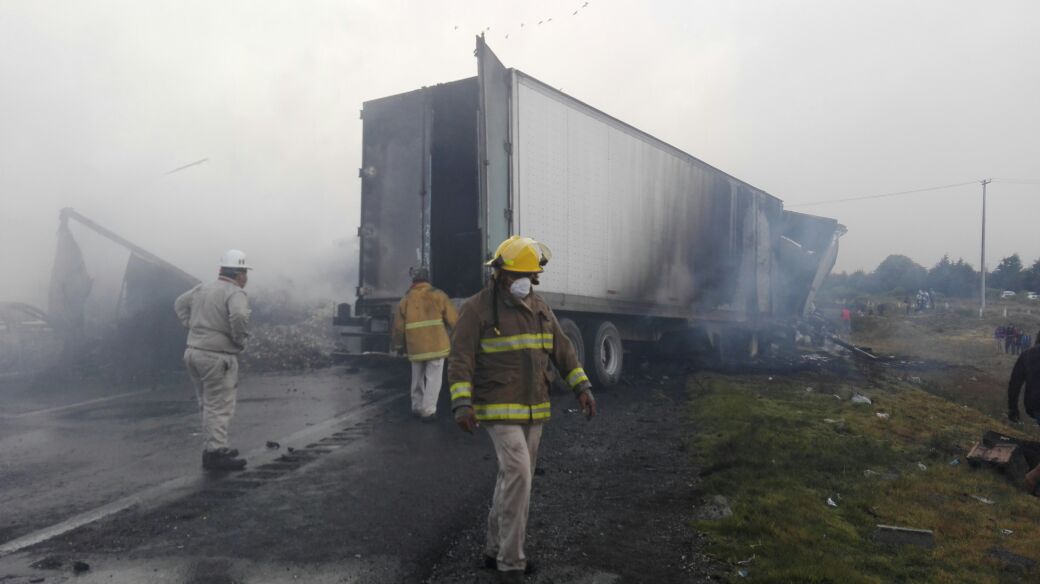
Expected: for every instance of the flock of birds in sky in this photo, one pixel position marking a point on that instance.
(540, 22)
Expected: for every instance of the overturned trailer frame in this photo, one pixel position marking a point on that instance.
(651, 244)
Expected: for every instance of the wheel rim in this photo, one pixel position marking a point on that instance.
(608, 356)
(576, 343)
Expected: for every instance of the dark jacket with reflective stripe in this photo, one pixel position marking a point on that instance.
(504, 374)
(419, 323)
(1026, 371)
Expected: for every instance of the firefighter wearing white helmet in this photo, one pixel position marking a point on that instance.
(217, 318)
(234, 259)
(504, 340)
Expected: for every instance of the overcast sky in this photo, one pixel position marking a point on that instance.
(810, 101)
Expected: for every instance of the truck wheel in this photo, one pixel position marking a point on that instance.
(605, 354)
(573, 332)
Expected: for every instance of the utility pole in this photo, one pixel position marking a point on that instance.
(982, 307)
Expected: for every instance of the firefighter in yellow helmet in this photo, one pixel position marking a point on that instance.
(505, 338)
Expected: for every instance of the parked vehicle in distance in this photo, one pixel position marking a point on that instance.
(1032, 296)
(1007, 294)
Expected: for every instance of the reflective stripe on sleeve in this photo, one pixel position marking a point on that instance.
(423, 324)
(462, 389)
(576, 377)
(511, 412)
(517, 343)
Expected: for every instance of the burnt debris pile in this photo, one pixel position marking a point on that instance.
(289, 335)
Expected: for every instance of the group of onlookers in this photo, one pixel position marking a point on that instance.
(1012, 339)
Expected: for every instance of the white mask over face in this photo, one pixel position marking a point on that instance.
(520, 288)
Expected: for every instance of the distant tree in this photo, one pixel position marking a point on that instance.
(1008, 275)
(963, 280)
(1031, 277)
(858, 281)
(840, 285)
(899, 276)
(898, 272)
(836, 280)
(938, 278)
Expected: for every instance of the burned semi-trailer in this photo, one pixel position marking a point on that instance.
(650, 243)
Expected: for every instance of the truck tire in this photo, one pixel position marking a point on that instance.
(606, 354)
(573, 332)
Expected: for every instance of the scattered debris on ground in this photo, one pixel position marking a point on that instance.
(1012, 457)
(892, 535)
(289, 337)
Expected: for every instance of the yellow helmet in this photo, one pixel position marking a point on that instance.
(521, 254)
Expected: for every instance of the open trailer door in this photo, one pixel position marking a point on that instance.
(395, 202)
(494, 146)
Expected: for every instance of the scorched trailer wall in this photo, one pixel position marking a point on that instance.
(647, 239)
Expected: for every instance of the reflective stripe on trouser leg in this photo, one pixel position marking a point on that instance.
(418, 380)
(516, 447)
(218, 376)
(433, 374)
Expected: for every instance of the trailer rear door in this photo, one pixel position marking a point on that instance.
(493, 146)
(394, 230)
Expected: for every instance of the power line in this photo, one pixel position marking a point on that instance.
(1017, 181)
(883, 195)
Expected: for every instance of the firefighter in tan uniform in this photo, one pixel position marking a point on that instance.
(419, 329)
(499, 375)
(217, 318)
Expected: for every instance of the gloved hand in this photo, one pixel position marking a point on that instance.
(588, 404)
(466, 419)
(1013, 416)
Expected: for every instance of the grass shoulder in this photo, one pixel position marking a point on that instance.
(778, 448)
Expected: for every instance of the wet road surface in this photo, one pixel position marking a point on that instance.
(371, 491)
(68, 448)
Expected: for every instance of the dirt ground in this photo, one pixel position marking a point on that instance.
(951, 353)
(612, 501)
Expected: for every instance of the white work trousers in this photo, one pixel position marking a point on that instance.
(516, 447)
(215, 376)
(426, 386)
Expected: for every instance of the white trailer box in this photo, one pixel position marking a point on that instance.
(649, 242)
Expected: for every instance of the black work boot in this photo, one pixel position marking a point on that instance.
(221, 460)
(512, 577)
(491, 563)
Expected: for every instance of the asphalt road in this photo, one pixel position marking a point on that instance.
(369, 494)
(69, 447)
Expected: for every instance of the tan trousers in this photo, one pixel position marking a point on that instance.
(516, 446)
(426, 386)
(215, 376)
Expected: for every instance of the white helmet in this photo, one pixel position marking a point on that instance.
(234, 259)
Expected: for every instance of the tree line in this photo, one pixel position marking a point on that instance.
(899, 275)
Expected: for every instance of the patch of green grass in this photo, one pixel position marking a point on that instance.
(778, 452)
